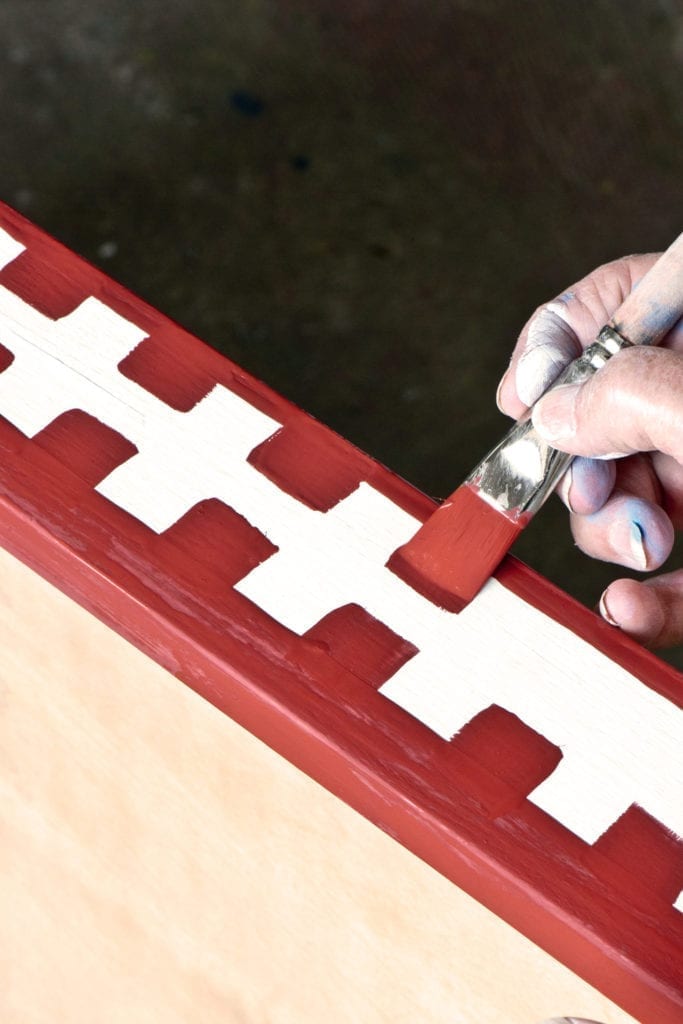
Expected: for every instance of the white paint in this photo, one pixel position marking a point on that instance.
(550, 345)
(69, 364)
(9, 249)
(622, 743)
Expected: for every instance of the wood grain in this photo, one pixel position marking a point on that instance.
(158, 863)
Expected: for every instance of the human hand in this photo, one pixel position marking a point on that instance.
(569, 1020)
(625, 492)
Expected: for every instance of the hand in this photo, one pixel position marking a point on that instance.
(626, 498)
(569, 1020)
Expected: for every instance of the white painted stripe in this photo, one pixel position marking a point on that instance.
(9, 248)
(621, 742)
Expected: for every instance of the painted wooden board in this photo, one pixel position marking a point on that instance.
(523, 748)
(159, 863)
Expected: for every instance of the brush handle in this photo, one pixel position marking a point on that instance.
(522, 470)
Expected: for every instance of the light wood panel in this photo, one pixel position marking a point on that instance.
(160, 864)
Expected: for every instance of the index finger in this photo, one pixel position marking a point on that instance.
(558, 331)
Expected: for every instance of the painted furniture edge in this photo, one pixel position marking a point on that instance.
(333, 733)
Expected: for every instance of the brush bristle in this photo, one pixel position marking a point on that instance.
(457, 549)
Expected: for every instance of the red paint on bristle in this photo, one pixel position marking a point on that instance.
(457, 549)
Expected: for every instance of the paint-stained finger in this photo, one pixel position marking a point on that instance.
(546, 345)
(551, 343)
(650, 611)
(634, 404)
(668, 472)
(628, 530)
(587, 485)
(558, 331)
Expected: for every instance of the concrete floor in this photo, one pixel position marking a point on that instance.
(362, 202)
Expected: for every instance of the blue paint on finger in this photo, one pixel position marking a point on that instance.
(638, 545)
(660, 317)
(638, 533)
(591, 484)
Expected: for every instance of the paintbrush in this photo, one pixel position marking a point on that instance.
(458, 548)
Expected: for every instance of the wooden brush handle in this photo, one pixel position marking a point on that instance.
(652, 309)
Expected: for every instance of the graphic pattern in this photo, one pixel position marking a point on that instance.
(553, 681)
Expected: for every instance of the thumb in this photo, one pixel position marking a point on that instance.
(633, 404)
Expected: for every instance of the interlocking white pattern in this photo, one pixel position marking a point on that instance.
(621, 742)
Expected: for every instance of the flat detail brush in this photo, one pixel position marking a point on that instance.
(458, 548)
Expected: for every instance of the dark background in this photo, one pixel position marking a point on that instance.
(360, 202)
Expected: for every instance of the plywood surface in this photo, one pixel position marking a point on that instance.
(158, 863)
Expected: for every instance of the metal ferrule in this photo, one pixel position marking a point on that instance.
(521, 471)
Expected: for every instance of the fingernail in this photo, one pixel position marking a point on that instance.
(499, 391)
(627, 538)
(554, 415)
(565, 488)
(636, 539)
(604, 610)
(639, 534)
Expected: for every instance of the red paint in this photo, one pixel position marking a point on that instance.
(362, 644)
(94, 448)
(497, 736)
(307, 462)
(6, 358)
(604, 911)
(175, 383)
(457, 550)
(642, 845)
